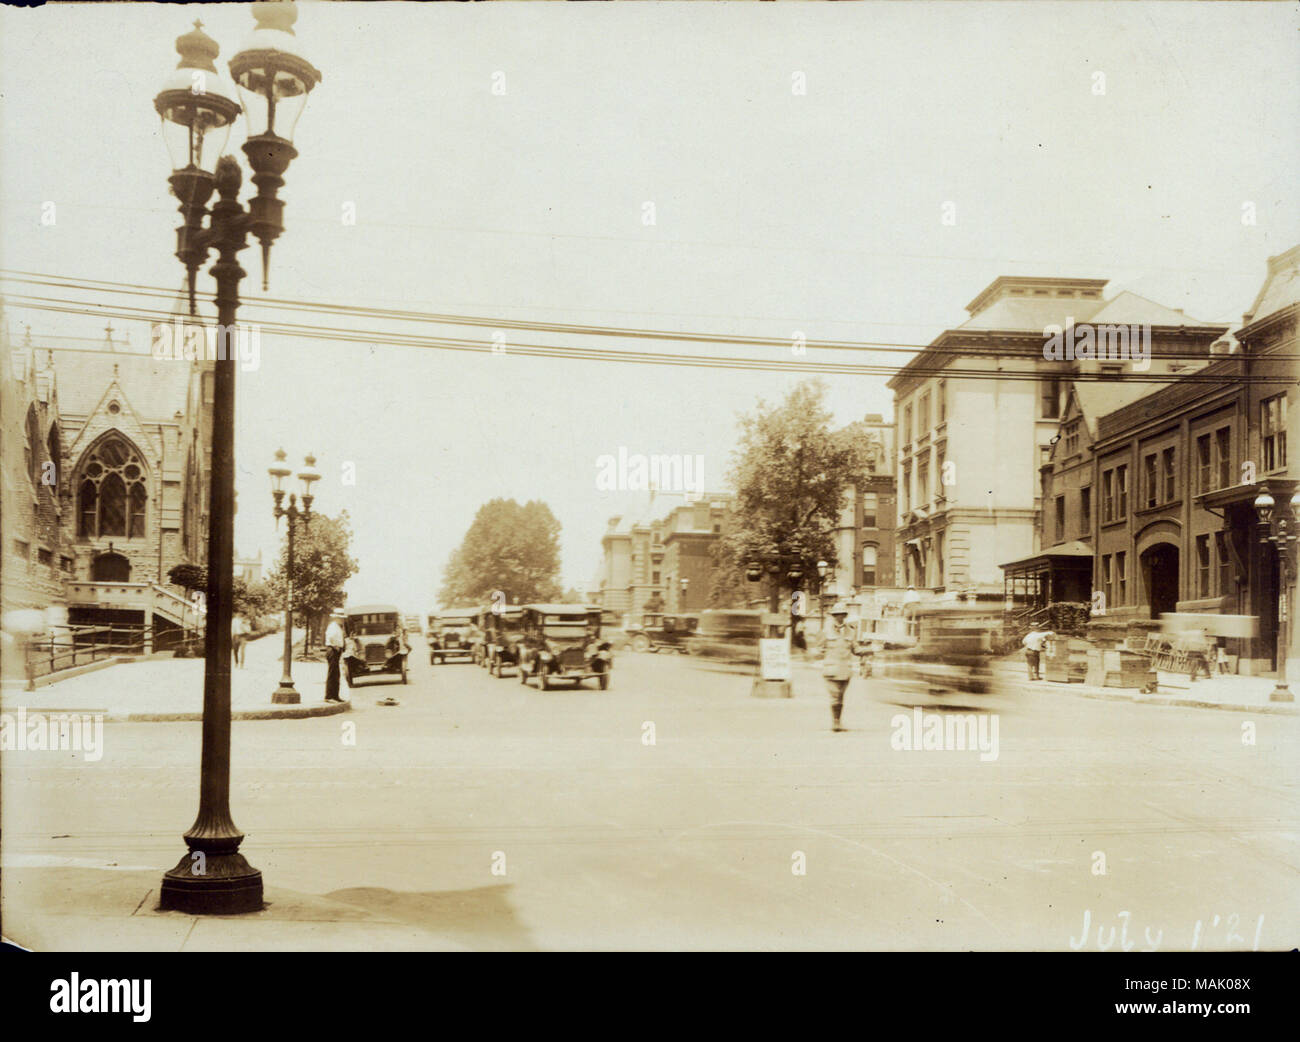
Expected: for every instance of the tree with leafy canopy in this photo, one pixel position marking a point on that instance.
(509, 547)
(188, 576)
(252, 600)
(322, 565)
(792, 474)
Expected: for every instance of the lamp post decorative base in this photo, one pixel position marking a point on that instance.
(216, 884)
(286, 695)
(1281, 693)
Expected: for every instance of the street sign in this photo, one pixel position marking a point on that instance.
(774, 658)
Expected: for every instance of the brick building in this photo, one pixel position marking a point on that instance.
(690, 533)
(977, 411)
(1149, 489)
(36, 557)
(644, 560)
(864, 536)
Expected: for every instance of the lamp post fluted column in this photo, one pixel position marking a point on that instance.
(213, 876)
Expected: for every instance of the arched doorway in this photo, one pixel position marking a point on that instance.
(1160, 578)
(110, 568)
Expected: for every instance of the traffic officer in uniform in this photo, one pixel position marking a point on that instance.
(838, 648)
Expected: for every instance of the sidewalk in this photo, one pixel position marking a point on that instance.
(79, 904)
(172, 689)
(1242, 694)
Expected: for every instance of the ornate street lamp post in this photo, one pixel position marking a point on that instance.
(286, 693)
(1279, 528)
(779, 559)
(822, 569)
(197, 111)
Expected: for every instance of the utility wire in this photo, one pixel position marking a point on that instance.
(479, 346)
(134, 289)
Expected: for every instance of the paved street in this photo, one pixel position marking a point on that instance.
(609, 842)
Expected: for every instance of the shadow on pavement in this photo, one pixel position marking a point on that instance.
(481, 918)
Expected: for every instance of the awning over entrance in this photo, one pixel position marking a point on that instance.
(1060, 573)
(1074, 550)
(1278, 488)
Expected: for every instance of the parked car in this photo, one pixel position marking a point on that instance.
(412, 624)
(455, 633)
(503, 635)
(563, 642)
(375, 642)
(727, 636)
(653, 632)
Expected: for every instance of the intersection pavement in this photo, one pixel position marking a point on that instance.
(675, 811)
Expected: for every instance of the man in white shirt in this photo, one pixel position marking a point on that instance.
(333, 652)
(1034, 642)
(239, 631)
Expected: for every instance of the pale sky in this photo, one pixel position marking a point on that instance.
(775, 212)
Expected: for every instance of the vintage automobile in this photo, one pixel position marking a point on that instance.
(727, 637)
(412, 624)
(561, 642)
(950, 663)
(454, 633)
(375, 642)
(503, 635)
(654, 632)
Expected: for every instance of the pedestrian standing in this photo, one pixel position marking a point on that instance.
(838, 647)
(333, 652)
(1034, 642)
(239, 630)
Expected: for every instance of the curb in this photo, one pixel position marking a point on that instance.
(298, 712)
(289, 712)
(1268, 708)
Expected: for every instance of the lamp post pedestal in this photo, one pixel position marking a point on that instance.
(285, 695)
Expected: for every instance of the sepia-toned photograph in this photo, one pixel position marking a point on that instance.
(634, 476)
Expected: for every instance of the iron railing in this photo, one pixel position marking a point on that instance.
(68, 646)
